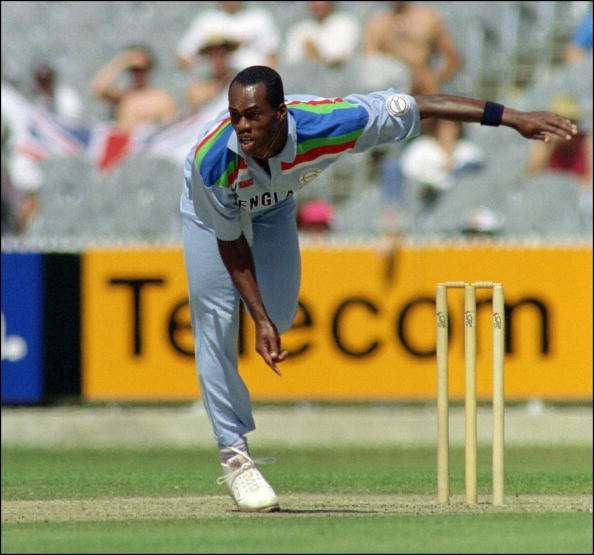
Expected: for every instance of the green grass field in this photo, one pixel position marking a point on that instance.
(333, 500)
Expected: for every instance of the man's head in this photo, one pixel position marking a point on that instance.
(44, 77)
(399, 7)
(320, 9)
(258, 111)
(217, 50)
(231, 7)
(141, 66)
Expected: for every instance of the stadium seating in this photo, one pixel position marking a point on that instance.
(511, 52)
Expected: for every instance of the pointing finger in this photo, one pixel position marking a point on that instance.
(275, 368)
(270, 358)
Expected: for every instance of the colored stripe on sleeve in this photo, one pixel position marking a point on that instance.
(322, 106)
(325, 128)
(206, 144)
(216, 163)
(230, 173)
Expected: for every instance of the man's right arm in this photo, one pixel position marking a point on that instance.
(102, 85)
(216, 207)
(237, 257)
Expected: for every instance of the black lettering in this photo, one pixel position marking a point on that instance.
(275, 197)
(541, 309)
(136, 285)
(180, 324)
(266, 199)
(401, 328)
(302, 320)
(253, 202)
(336, 326)
(289, 194)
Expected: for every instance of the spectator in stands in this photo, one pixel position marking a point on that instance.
(573, 157)
(21, 180)
(139, 103)
(315, 216)
(253, 28)
(581, 41)
(413, 34)
(55, 97)
(329, 37)
(217, 52)
(432, 162)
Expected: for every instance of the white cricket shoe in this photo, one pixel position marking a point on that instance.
(249, 489)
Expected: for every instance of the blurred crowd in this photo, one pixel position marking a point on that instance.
(407, 45)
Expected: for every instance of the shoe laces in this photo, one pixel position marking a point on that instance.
(250, 463)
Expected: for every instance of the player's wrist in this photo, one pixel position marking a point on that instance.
(510, 117)
(263, 322)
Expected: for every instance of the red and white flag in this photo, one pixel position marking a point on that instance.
(40, 135)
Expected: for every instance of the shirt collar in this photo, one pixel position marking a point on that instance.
(287, 154)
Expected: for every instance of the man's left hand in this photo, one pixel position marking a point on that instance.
(542, 126)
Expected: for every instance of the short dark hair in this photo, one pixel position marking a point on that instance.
(275, 93)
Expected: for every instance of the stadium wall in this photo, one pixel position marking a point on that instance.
(365, 328)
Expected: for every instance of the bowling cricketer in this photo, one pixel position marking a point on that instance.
(240, 235)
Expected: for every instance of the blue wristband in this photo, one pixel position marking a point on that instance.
(492, 114)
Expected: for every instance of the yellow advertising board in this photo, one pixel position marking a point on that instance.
(365, 328)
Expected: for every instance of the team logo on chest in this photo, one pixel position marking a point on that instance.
(308, 175)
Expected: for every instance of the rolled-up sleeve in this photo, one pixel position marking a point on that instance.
(393, 117)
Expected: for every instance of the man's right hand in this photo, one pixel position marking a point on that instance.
(268, 345)
(135, 58)
(237, 257)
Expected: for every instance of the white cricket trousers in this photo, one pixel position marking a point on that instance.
(214, 304)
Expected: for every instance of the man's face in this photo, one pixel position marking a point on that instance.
(139, 77)
(44, 77)
(140, 71)
(320, 9)
(230, 6)
(254, 120)
(399, 7)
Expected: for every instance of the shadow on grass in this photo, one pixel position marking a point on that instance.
(313, 512)
(328, 511)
